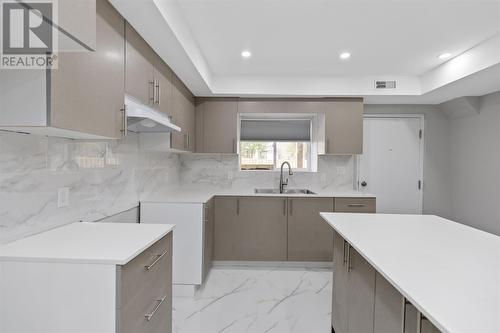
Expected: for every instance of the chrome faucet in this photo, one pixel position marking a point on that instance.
(284, 183)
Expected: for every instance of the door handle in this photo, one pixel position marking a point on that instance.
(363, 183)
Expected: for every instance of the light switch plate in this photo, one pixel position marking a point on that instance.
(62, 197)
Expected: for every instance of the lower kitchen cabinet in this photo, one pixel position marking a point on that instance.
(340, 286)
(104, 277)
(355, 205)
(309, 237)
(145, 291)
(364, 301)
(208, 236)
(250, 228)
(353, 290)
(389, 307)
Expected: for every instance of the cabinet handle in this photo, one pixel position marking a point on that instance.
(124, 120)
(327, 148)
(291, 207)
(349, 266)
(185, 141)
(344, 257)
(356, 205)
(157, 86)
(151, 88)
(158, 258)
(237, 206)
(284, 207)
(403, 324)
(150, 315)
(188, 141)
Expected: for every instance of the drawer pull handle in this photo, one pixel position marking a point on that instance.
(150, 316)
(356, 205)
(148, 267)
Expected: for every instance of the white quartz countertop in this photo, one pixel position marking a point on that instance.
(86, 242)
(449, 271)
(203, 195)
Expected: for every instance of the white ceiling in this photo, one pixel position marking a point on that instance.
(305, 37)
(295, 46)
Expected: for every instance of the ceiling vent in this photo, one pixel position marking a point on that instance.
(385, 84)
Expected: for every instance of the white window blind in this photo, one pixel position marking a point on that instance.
(275, 130)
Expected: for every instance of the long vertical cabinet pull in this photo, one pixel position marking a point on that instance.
(327, 146)
(151, 92)
(237, 206)
(291, 207)
(124, 120)
(157, 92)
(284, 207)
(349, 265)
(344, 257)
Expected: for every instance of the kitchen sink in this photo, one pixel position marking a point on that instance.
(289, 191)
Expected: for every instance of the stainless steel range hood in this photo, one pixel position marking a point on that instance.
(144, 119)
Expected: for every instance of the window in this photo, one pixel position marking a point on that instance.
(266, 143)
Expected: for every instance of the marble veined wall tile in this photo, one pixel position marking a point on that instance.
(103, 177)
(335, 173)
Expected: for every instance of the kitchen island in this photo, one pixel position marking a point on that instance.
(385, 265)
(88, 277)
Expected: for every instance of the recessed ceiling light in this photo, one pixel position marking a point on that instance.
(444, 55)
(345, 55)
(246, 54)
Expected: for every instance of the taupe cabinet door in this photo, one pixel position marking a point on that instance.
(87, 88)
(344, 127)
(355, 205)
(139, 75)
(208, 245)
(163, 77)
(361, 293)
(309, 237)
(340, 299)
(389, 306)
(183, 116)
(216, 126)
(353, 290)
(250, 228)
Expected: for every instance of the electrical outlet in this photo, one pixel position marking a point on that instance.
(62, 197)
(341, 171)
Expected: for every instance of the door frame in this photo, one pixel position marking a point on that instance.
(418, 116)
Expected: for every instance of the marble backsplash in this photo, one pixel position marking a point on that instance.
(218, 171)
(108, 177)
(103, 177)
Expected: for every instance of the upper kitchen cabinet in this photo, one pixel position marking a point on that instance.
(82, 98)
(163, 77)
(344, 127)
(216, 125)
(262, 106)
(139, 71)
(183, 115)
(77, 24)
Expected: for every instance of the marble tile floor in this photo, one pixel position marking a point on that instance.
(253, 300)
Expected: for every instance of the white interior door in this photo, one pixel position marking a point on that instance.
(391, 166)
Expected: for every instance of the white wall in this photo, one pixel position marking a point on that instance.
(475, 166)
(437, 196)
